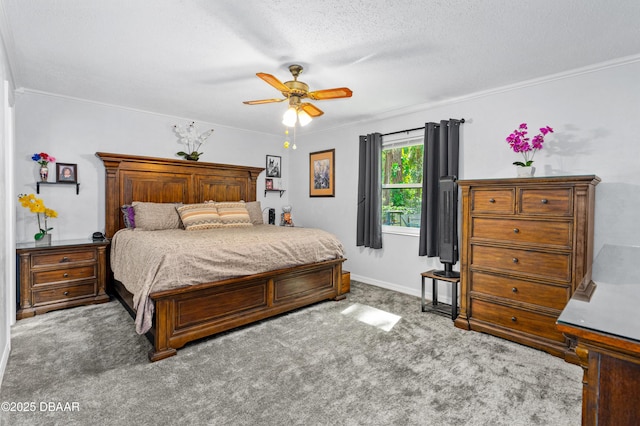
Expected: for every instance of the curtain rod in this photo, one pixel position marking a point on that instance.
(411, 130)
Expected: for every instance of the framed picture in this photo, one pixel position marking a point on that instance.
(268, 184)
(321, 173)
(274, 166)
(66, 172)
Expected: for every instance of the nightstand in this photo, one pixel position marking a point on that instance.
(61, 275)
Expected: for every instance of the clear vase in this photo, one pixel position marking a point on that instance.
(44, 173)
(44, 241)
(526, 171)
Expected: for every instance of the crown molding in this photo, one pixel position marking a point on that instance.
(515, 86)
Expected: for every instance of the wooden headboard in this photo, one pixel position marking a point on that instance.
(131, 178)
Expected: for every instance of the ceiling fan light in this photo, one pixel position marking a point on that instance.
(289, 118)
(304, 118)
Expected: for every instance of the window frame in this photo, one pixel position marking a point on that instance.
(411, 138)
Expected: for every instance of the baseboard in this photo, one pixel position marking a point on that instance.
(4, 360)
(444, 298)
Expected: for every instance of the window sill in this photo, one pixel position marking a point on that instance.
(401, 230)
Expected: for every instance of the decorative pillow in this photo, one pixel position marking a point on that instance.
(128, 215)
(234, 213)
(156, 216)
(199, 216)
(255, 212)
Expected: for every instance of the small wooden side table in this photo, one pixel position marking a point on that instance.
(440, 308)
(60, 275)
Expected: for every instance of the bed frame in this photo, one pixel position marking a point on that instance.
(186, 314)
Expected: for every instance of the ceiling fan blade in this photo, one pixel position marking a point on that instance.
(263, 101)
(338, 92)
(311, 109)
(273, 81)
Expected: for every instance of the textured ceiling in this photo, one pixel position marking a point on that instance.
(198, 59)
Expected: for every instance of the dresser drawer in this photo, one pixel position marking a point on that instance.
(523, 231)
(62, 275)
(552, 202)
(554, 266)
(493, 201)
(550, 296)
(64, 293)
(516, 319)
(64, 257)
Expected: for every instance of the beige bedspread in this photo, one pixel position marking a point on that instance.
(149, 261)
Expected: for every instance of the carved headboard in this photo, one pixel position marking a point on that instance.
(131, 178)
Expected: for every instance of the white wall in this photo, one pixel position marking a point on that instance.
(594, 113)
(74, 130)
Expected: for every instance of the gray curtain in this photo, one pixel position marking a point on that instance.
(441, 158)
(369, 228)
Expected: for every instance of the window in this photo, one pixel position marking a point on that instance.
(401, 176)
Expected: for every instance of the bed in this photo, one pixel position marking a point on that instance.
(185, 314)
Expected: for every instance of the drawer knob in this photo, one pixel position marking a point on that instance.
(514, 289)
(65, 259)
(66, 293)
(514, 319)
(516, 230)
(491, 200)
(65, 275)
(544, 201)
(514, 260)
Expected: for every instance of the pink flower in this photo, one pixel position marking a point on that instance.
(519, 142)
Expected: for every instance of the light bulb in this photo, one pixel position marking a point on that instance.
(286, 144)
(304, 118)
(289, 118)
(294, 146)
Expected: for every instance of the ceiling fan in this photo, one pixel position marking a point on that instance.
(295, 91)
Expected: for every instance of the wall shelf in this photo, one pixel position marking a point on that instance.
(77, 185)
(281, 191)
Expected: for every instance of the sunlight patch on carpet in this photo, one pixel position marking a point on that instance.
(372, 316)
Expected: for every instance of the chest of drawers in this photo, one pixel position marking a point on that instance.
(61, 275)
(526, 245)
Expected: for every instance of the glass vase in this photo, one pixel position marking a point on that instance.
(44, 241)
(526, 171)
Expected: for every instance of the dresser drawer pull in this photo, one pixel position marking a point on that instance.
(64, 259)
(491, 200)
(514, 319)
(66, 293)
(544, 201)
(514, 260)
(514, 289)
(65, 275)
(516, 230)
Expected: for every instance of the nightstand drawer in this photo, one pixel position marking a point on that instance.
(64, 293)
(552, 202)
(62, 275)
(493, 201)
(523, 231)
(554, 297)
(516, 319)
(545, 265)
(62, 258)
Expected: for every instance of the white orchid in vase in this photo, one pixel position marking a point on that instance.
(188, 135)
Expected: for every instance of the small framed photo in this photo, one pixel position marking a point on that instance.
(321, 173)
(274, 166)
(268, 184)
(66, 172)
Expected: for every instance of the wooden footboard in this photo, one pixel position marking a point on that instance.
(186, 314)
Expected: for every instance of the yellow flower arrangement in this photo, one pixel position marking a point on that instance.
(36, 205)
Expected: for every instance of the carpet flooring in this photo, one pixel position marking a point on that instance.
(372, 359)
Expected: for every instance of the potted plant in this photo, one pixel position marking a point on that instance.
(520, 143)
